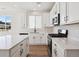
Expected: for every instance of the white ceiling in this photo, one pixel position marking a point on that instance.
(30, 6)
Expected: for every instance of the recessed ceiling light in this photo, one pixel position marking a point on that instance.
(39, 4)
(14, 5)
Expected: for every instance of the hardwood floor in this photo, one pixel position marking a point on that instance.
(38, 51)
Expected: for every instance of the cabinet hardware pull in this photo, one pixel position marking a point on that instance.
(67, 18)
(55, 44)
(33, 37)
(40, 37)
(21, 51)
(55, 52)
(21, 44)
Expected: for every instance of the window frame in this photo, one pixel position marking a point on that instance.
(35, 21)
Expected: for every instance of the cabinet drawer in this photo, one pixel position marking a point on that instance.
(23, 48)
(14, 50)
(17, 48)
(60, 51)
(22, 45)
(57, 50)
(16, 54)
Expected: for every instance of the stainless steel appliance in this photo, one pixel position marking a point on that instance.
(49, 46)
(61, 33)
(56, 19)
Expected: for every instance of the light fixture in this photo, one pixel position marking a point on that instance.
(39, 4)
(14, 5)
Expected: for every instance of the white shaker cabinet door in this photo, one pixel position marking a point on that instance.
(37, 40)
(42, 41)
(50, 21)
(30, 40)
(46, 19)
(17, 54)
(34, 39)
(62, 13)
(52, 13)
(73, 16)
(58, 7)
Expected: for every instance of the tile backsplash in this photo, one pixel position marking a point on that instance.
(73, 31)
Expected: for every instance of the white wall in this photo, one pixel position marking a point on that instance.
(18, 20)
(42, 31)
(43, 20)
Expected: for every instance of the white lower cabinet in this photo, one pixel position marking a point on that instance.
(14, 50)
(19, 50)
(62, 49)
(23, 48)
(57, 50)
(17, 54)
(38, 39)
(34, 39)
(27, 46)
(60, 52)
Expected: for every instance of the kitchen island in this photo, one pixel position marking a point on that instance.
(14, 45)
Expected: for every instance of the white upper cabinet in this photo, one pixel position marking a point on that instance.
(54, 11)
(51, 15)
(38, 22)
(46, 19)
(63, 13)
(35, 21)
(69, 12)
(56, 8)
(73, 12)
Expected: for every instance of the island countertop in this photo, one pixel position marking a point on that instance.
(9, 41)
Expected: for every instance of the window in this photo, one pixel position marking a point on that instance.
(5, 22)
(35, 22)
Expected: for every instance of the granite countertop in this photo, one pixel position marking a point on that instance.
(72, 44)
(9, 41)
(68, 44)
